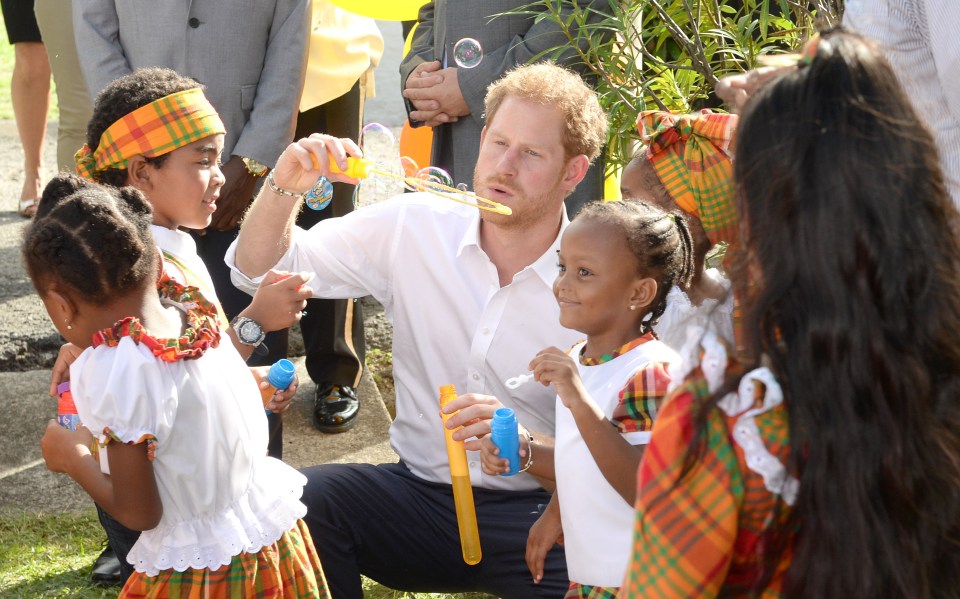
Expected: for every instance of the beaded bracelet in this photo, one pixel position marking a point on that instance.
(281, 191)
(529, 463)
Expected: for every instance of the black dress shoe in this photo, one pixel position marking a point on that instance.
(106, 569)
(335, 408)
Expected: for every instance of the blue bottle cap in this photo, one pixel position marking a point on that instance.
(282, 373)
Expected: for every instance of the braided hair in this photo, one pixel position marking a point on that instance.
(659, 240)
(90, 239)
(123, 96)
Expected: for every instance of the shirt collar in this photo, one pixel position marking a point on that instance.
(545, 266)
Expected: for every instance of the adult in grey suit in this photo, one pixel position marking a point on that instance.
(251, 56)
(441, 95)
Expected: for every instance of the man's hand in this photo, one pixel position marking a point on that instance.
(436, 96)
(474, 415)
(235, 195)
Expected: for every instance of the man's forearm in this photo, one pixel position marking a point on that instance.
(265, 231)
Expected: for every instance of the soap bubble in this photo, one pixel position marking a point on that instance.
(433, 178)
(410, 170)
(320, 195)
(467, 53)
(377, 142)
(463, 188)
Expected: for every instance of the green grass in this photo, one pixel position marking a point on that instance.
(6, 68)
(49, 555)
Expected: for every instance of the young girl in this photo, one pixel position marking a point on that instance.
(156, 131)
(831, 469)
(686, 164)
(617, 262)
(181, 431)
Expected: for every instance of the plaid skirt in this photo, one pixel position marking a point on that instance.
(288, 568)
(585, 591)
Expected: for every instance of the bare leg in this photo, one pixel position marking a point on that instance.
(30, 92)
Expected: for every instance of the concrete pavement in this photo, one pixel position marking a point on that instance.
(28, 346)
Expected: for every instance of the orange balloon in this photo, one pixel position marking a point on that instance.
(416, 143)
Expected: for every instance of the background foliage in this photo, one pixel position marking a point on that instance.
(669, 54)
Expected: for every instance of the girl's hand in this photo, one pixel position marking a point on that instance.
(280, 300)
(553, 366)
(306, 160)
(61, 368)
(546, 532)
(490, 461)
(283, 398)
(62, 448)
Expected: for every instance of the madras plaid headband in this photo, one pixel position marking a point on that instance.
(691, 154)
(152, 130)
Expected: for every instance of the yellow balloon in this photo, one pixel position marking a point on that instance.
(385, 10)
(409, 41)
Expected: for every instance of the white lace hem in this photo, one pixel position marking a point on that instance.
(747, 435)
(270, 507)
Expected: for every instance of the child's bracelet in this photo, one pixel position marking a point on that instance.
(529, 463)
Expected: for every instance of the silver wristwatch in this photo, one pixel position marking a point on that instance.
(249, 331)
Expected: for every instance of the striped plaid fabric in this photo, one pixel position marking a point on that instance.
(691, 154)
(585, 591)
(704, 537)
(152, 130)
(288, 568)
(640, 399)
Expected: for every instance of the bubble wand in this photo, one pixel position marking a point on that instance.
(361, 168)
(462, 490)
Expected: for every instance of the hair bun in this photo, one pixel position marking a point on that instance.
(58, 190)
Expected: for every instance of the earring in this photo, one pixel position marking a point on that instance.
(69, 326)
(632, 307)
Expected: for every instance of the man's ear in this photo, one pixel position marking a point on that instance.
(644, 292)
(139, 172)
(574, 171)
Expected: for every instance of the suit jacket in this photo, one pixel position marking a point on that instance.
(507, 41)
(250, 54)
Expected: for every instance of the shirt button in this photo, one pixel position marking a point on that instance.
(194, 22)
(473, 464)
(476, 376)
(486, 331)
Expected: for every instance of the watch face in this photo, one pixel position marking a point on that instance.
(249, 332)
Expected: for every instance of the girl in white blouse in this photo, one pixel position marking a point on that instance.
(180, 430)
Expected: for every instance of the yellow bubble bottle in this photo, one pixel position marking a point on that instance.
(462, 490)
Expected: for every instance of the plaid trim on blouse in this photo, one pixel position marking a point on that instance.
(202, 331)
(705, 537)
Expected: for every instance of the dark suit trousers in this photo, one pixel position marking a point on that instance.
(386, 523)
(333, 336)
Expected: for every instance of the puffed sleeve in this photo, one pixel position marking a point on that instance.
(640, 401)
(124, 393)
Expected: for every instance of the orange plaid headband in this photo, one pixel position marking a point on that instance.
(152, 130)
(691, 154)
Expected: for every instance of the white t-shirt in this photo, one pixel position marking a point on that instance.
(420, 257)
(597, 522)
(682, 321)
(221, 494)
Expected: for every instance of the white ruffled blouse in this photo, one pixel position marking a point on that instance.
(220, 492)
(682, 321)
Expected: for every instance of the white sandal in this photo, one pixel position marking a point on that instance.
(28, 207)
